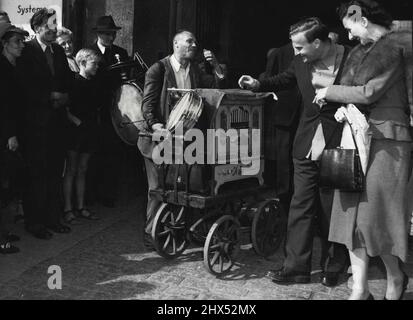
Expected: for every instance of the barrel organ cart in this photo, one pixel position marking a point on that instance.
(209, 204)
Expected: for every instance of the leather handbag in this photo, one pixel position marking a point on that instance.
(341, 169)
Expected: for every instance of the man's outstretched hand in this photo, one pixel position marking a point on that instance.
(248, 83)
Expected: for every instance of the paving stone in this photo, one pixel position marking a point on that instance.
(321, 296)
(108, 262)
(8, 291)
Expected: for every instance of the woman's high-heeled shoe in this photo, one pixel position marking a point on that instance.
(405, 284)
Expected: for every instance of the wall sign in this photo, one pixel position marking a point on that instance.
(21, 11)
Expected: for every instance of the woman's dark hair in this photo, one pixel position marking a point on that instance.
(313, 28)
(370, 9)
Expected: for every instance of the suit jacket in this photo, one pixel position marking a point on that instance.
(299, 73)
(38, 82)
(284, 111)
(376, 76)
(109, 57)
(10, 102)
(156, 105)
(109, 81)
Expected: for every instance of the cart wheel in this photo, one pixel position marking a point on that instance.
(268, 228)
(222, 245)
(169, 231)
(200, 229)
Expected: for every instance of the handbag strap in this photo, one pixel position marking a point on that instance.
(354, 140)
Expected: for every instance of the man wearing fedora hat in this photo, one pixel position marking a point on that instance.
(106, 30)
(104, 175)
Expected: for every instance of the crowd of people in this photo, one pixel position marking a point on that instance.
(67, 99)
(55, 120)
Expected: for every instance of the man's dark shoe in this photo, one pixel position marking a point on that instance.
(59, 228)
(330, 279)
(12, 237)
(39, 232)
(282, 276)
(8, 248)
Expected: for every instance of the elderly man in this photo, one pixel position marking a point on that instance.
(45, 75)
(105, 171)
(317, 64)
(175, 71)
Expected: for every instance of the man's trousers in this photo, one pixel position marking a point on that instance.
(310, 207)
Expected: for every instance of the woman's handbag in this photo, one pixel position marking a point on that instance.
(341, 169)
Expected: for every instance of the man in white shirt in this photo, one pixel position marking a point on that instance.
(316, 65)
(175, 71)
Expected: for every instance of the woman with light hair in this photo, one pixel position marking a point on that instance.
(65, 40)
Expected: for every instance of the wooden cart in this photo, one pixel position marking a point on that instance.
(228, 204)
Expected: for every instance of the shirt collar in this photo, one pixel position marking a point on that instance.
(43, 45)
(330, 59)
(177, 66)
(101, 48)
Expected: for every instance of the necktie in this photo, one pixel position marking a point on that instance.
(108, 56)
(49, 58)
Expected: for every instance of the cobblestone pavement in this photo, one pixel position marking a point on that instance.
(106, 260)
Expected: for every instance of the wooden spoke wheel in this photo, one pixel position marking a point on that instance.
(169, 231)
(268, 228)
(222, 245)
(200, 229)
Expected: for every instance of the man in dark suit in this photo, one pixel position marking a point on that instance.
(106, 163)
(280, 125)
(12, 38)
(175, 71)
(106, 31)
(317, 64)
(46, 77)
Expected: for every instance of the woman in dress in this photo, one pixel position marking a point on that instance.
(376, 222)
